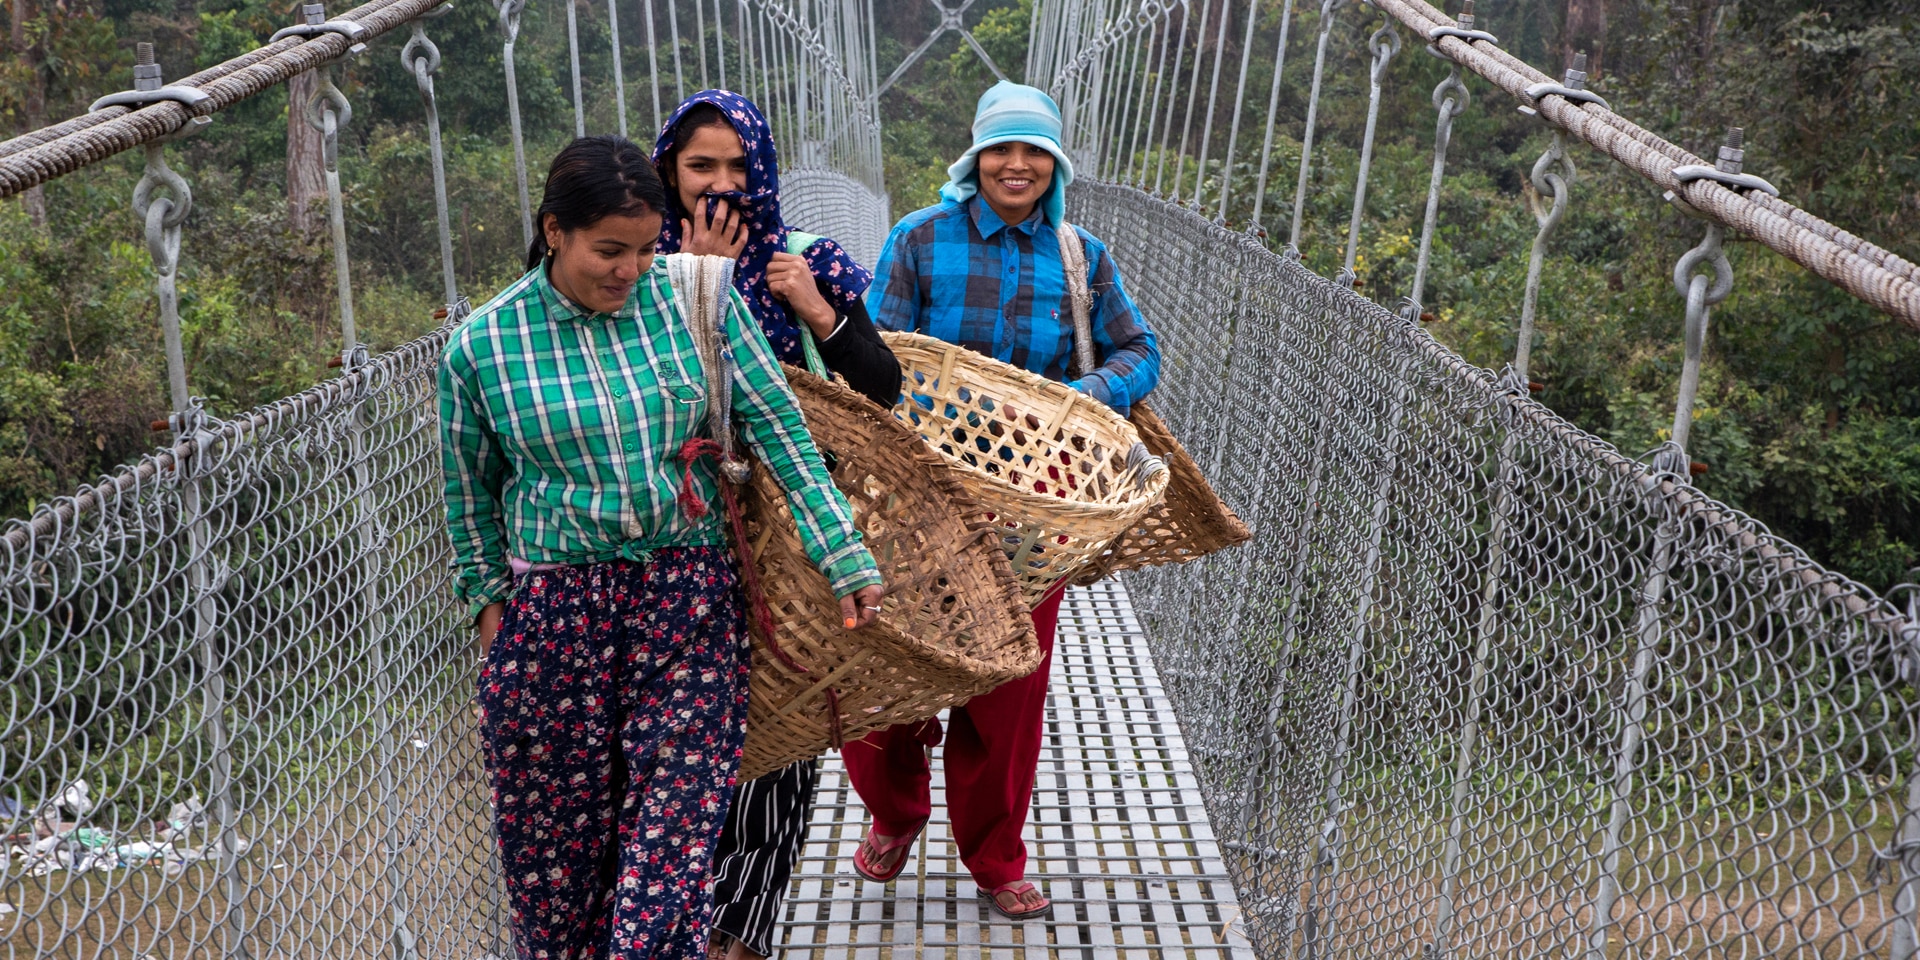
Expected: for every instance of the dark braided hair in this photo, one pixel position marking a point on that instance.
(591, 179)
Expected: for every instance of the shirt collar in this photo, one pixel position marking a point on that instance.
(989, 222)
(561, 307)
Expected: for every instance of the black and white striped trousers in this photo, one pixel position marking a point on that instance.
(751, 867)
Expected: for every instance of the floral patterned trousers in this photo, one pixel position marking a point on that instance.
(614, 702)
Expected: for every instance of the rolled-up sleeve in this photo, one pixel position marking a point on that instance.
(778, 435)
(1132, 366)
(474, 475)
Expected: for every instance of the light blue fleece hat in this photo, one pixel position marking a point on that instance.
(1011, 111)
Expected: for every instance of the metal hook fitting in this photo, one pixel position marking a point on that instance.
(318, 25)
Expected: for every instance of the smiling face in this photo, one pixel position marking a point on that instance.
(711, 161)
(597, 265)
(1013, 178)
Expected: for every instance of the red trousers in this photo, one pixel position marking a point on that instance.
(993, 748)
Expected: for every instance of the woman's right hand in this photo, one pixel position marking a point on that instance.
(488, 624)
(724, 236)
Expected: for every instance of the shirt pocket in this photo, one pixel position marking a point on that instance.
(679, 404)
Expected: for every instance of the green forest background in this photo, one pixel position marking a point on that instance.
(1809, 410)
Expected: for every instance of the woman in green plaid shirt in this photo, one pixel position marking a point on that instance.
(613, 696)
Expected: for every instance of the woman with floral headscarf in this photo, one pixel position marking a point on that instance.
(723, 196)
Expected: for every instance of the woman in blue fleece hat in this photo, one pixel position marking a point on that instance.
(984, 269)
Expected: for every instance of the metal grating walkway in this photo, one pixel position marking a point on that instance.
(1118, 837)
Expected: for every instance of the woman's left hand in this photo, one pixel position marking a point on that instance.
(862, 607)
(790, 279)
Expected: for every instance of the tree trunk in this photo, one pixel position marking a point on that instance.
(306, 183)
(34, 199)
(1584, 30)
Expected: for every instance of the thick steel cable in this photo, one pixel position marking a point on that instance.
(1888, 282)
(88, 143)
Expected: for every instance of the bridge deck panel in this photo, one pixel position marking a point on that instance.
(1118, 837)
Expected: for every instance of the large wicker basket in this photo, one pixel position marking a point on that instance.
(953, 624)
(1189, 524)
(1063, 480)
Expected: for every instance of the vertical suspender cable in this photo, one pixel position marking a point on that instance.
(1273, 109)
(619, 78)
(700, 38)
(1193, 92)
(1239, 104)
(1327, 9)
(1384, 44)
(1179, 52)
(653, 66)
(573, 61)
(1213, 99)
(673, 31)
(720, 44)
(510, 28)
(1149, 107)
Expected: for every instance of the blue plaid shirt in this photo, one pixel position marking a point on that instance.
(957, 272)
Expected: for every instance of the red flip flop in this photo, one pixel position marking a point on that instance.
(1016, 888)
(863, 867)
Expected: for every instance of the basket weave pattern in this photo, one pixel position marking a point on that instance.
(1189, 524)
(1057, 480)
(953, 624)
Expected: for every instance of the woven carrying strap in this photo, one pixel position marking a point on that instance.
(1191, 521)
(701, 285)
(1073, 255)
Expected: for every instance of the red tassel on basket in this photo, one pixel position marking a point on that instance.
(696, 508)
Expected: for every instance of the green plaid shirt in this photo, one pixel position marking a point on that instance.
(560, 431)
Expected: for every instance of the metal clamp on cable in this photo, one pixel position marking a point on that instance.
(1732, 181)
(148, 88)
(1726, 173)
(318, 25)
(1462, 28)
(1538, 90)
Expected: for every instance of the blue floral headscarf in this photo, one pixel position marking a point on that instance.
(759, 207)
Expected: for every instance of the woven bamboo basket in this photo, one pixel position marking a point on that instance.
(953, 624)
(1062, 482)
(1188, 524)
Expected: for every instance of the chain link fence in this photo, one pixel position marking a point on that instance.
(1482, 686)
(236, 719)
